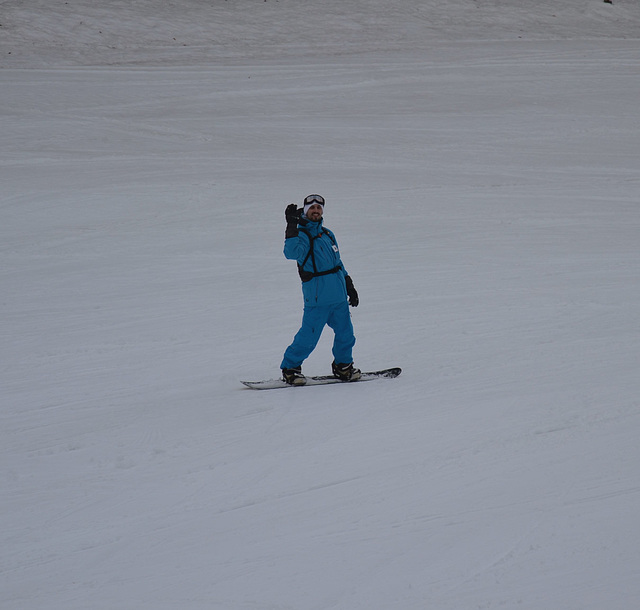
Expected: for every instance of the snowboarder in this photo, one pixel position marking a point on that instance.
(327, 290)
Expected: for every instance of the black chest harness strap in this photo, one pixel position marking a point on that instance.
(305, 276)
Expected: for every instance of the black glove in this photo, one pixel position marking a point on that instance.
(292, 216)
(351, 292)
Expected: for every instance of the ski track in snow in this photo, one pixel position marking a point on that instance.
(480, 164)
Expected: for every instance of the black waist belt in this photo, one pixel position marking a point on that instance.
(305, 276)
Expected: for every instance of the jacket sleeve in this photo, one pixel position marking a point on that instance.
(295, 248)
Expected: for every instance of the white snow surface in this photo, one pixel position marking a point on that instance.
(481, 166)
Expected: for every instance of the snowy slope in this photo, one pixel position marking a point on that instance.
(150, 32)
(481, 166)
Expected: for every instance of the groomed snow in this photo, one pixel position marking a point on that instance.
(481, 166)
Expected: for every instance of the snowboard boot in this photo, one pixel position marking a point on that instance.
(346, 372)
(294, 376)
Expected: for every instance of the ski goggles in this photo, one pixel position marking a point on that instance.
(313, 199)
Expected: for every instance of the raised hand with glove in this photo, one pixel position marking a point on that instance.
(292, 216)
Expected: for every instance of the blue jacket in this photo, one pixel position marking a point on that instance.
(325, 289)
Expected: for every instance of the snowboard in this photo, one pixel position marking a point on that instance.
(273, 384)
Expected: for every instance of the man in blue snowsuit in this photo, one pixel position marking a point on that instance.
(327, 290)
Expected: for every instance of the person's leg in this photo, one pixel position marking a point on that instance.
(306, 339)
(340, 321)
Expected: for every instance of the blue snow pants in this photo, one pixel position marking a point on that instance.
(338, 318)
